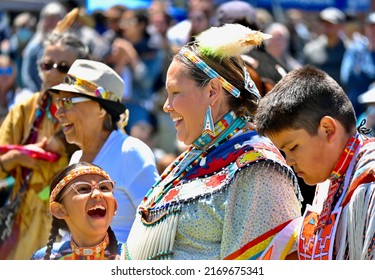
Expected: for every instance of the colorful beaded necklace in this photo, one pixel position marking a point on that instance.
(89, 252)
(171, 177)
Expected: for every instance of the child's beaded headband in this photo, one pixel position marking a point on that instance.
(226, 41)
(74, 174)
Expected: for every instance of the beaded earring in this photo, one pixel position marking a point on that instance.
(250, 85)
(209, 127)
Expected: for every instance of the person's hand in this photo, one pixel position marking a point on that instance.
(126, 52)
(14, 158)
(38, 147)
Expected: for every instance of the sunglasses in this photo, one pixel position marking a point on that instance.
(61, 67)
(8, 71)
(68, 102)
(84, 188)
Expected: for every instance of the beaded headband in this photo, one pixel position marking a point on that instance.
(229, 40)
(248, 82)
(89, 88)
(209, 71)
(74, 174)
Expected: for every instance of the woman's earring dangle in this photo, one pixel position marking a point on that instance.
(209, 127)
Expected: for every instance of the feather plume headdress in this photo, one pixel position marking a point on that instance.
(66, 22)
(229, 40)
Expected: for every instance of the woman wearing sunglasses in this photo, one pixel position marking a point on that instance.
(82, 203)
(32, 121)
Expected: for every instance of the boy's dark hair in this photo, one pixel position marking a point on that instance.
(300, 100)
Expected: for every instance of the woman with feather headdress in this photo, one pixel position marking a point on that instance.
(26, 137)
(230, 195)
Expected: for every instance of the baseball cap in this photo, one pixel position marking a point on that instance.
(370, 19)
(332, 15)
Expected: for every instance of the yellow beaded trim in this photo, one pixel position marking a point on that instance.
(90, 88)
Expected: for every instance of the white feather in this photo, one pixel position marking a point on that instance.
(230, 40)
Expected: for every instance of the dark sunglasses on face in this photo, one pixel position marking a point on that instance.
(68, 102)
(8, 71)
(61, 67)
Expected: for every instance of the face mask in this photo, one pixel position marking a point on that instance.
(24, 34)
(6, 71)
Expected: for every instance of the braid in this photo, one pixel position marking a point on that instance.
(113, 244)
(52, 238)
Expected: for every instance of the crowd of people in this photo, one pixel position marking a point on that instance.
(230, 134)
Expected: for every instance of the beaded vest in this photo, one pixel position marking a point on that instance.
(324, 234)
(204, 169)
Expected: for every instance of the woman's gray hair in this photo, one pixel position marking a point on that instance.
(71, 40)
(65, 39)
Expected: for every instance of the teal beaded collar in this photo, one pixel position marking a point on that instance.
(225, 129)
(228, 125)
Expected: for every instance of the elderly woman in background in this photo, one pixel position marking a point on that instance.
(33, 121)
(230, 192)
(89, 110)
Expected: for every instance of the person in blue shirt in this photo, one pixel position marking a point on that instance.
(358, 65)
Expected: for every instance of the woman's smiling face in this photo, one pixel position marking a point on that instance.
(186, 103)
(82, 122)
